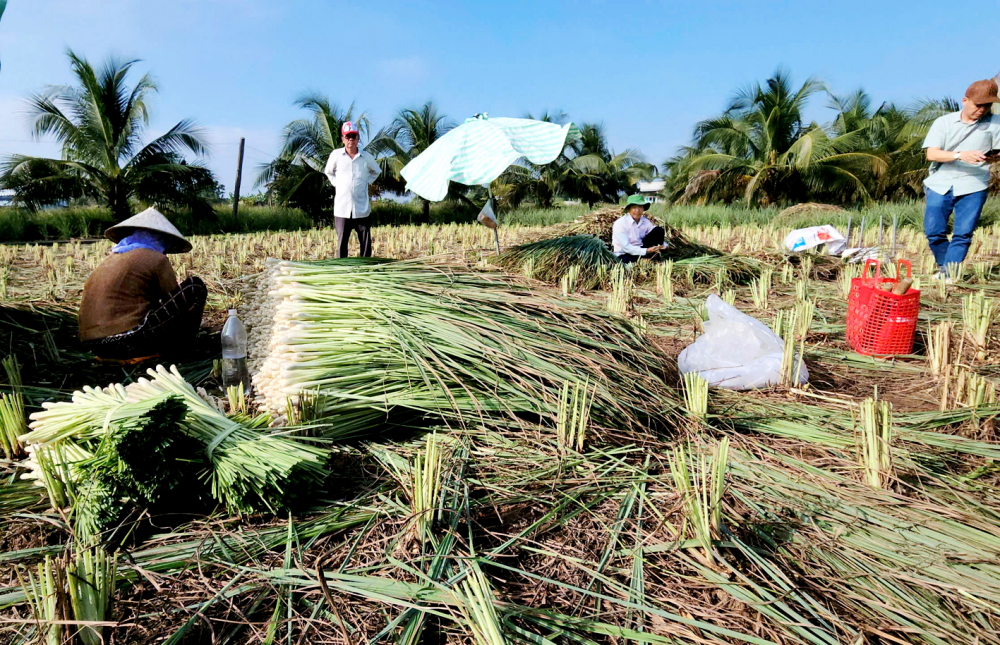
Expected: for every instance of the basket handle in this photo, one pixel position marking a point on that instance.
(909, 268)
(878, 268)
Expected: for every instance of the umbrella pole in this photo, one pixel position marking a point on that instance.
(496, 235)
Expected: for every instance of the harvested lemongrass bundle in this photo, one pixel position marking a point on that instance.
(551, 259)
(249, 469)
(380, 341)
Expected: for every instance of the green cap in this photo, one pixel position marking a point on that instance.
(636, 200)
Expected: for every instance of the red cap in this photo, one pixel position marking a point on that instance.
(348, 128)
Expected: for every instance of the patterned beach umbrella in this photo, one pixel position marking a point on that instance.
(476, 152)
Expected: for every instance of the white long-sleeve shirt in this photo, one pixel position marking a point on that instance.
(351, 178)
(627, 234)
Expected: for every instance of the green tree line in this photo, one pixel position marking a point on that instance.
(760, 151)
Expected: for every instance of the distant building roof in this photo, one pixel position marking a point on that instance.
(653, 186)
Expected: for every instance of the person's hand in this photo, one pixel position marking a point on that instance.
(972, 156)
(653, 249)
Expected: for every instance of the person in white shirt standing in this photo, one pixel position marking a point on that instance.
(351, 171)
(633, 236)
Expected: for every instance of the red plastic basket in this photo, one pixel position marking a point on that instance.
(880, 322)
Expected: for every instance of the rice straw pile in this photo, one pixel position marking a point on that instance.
(363, 343)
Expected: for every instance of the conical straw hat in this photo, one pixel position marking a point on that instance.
(151, 220)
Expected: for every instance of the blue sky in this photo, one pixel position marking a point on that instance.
(648, 70)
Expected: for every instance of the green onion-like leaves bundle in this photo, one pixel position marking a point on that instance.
(447, 343)
(249, 468)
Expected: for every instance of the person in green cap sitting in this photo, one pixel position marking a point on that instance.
(633, 236)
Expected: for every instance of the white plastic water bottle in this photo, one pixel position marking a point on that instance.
(234, 353)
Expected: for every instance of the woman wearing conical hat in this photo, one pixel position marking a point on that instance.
(132, 306)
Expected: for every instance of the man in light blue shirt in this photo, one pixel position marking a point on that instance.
(633, 236)
(958, 145)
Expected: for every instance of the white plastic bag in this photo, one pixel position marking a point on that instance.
(809, 238)
(736, 352)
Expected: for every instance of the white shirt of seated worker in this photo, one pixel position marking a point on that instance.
(627, 234)
(351, 178)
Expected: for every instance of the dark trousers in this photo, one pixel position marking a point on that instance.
(344, 226)
(967, 209)
(653, 238)
(167, 327)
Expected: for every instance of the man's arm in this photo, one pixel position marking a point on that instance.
(619, 238)
(944, 156)
(373, 170)
(331, 168)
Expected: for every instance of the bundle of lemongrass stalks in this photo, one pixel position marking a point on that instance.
(599, 223)
(248, 468)
(364, 342)
(549, 260)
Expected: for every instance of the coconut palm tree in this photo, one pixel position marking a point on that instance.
(295, 177)
(596, 173)
(100, 123)
(766, 153)
(410, 133)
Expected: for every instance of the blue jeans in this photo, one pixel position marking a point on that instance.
(967, 209)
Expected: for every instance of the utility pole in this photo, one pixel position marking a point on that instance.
(239, 176)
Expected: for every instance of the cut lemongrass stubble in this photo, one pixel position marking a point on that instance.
(696, 395)
(875, 442)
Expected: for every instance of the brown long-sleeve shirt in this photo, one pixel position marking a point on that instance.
(121, 290)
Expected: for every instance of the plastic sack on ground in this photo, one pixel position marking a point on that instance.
(809, 238)
(736, 352)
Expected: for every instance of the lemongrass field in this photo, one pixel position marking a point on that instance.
(860, 508)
